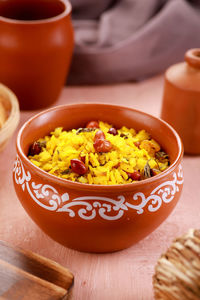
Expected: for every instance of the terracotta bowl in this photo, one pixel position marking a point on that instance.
(97, 218)
(9, 108)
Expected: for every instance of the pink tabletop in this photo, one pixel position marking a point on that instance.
(124, 275)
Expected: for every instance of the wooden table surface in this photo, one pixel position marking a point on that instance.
(124, 275)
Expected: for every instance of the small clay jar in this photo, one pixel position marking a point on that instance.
(181, 100)
(36, 44)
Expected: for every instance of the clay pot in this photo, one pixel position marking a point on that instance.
(181, 100)
(36, 43)
(97, 218)
(10, 106)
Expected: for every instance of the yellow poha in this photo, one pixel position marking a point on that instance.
(81, 155)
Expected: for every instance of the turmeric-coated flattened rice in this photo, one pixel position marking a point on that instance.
(99, 154)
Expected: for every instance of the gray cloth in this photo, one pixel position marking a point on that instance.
(128, 40)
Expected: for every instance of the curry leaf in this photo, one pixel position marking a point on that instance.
(147, 171)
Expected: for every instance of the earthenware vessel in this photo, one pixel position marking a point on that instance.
(36, 43)
(181, 100)
(97, 218)
(11, 106)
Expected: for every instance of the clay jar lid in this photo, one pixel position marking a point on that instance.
(186, 75)
(181, 100)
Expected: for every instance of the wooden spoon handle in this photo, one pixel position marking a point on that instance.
(36, 265)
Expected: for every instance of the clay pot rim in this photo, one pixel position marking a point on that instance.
(66, 12)
(94, 187)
